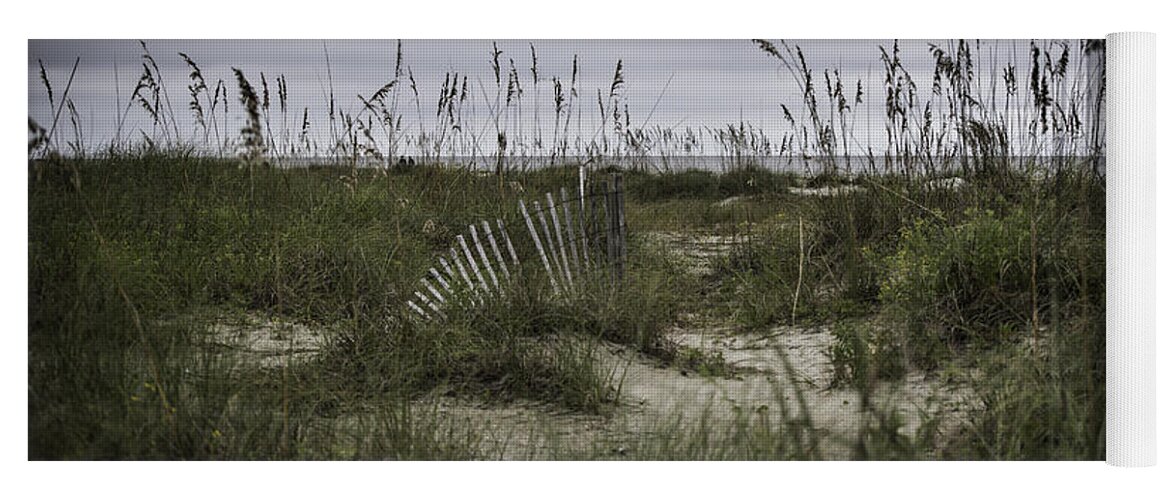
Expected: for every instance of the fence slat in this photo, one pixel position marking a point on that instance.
(540, 248)
(462, 271)
(549, 239)
(438, 277)
(484, 256)
(451, 276)
(508, 241)
(463, 243)
(416, 308)
(430, 288)
(560, 239)
(430, 304)
(496, 250)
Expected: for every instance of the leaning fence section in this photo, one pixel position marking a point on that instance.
(572, 234)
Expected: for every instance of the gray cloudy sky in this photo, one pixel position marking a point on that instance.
(711, 82)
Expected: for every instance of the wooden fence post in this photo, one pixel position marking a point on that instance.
(608, 215)
(620, 222)
(570, 233)
(592, 226)
(582, 223)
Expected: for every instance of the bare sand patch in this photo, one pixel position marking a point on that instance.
(698, 253)
(656, 394)
(826, 191)
(259, 341)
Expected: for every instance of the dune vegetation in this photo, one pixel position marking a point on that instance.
(239, 291)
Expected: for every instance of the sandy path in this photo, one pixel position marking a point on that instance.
(254, 340)
(697, 252)
(653, 394)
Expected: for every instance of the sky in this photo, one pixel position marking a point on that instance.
(668, 83)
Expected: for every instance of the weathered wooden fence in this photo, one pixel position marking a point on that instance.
(574, 236)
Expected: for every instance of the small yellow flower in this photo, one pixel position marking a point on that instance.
(215, 433)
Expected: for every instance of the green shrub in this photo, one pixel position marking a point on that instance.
(862, 353)
(953, 283)
(769, 270)
(1046, 403)
(704, 363)
(851, 230)
(765, 273)
(685, 184)
(753, 181)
